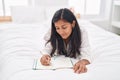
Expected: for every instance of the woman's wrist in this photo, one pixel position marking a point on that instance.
(84, 61)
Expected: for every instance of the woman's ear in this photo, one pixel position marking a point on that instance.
(73, 23)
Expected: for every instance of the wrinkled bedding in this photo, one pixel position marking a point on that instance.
(21, 43)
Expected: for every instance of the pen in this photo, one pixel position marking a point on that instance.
(71, 61)
(41, 53)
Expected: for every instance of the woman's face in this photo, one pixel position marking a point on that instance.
(64, 28)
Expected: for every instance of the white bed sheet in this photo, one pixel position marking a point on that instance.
(22, 45)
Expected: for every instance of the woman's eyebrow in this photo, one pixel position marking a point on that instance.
(63, 25)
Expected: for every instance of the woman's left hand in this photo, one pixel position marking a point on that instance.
(80, 67)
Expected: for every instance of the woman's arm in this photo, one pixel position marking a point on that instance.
(85, 47)
(85, 57)
(47, 47)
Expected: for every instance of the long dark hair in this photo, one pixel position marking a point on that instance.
(75, 37)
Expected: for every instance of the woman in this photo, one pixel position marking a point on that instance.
(68, 39)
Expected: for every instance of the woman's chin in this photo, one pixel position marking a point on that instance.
(64, 37)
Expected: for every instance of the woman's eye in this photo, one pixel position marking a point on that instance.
(57, 28)
(64, 27)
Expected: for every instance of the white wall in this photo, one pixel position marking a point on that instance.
(51, 2)
(106, 16)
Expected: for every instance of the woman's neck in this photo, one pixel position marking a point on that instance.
(66, 41)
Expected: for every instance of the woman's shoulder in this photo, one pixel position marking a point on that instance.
(83, 30)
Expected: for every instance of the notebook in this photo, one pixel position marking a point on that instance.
(59, 62)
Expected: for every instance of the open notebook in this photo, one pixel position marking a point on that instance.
(59, 62)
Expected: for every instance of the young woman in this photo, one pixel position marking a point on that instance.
(68, 39)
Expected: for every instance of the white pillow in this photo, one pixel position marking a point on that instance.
(50, 11)
(27, 14)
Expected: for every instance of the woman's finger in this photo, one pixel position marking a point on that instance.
(79, 69)
(45, 60)
(76, 67)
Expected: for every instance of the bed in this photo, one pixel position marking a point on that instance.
(20, 45)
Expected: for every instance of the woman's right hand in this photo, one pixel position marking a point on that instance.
(45, 60)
